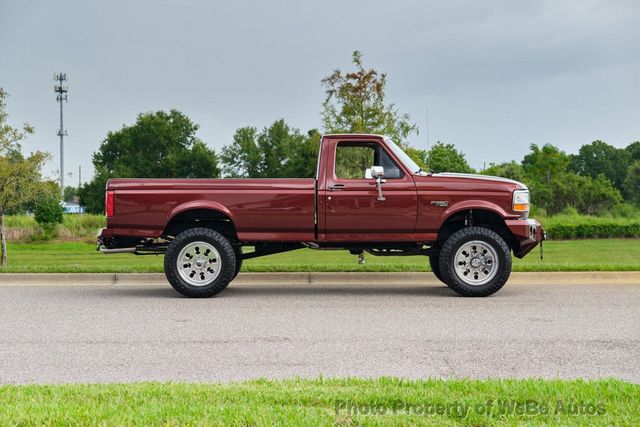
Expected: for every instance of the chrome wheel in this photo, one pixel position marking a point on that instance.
(198, 263)
(476, 263)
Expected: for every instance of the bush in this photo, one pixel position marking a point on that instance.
(572, 226)
(625, 210)
(48, 215)
(44, 232)
(49, 212)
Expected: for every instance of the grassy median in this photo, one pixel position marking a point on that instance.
(568, 255)
(384, 401)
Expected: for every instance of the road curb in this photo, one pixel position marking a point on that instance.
(320, 278)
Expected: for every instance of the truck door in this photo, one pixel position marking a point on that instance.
(352, 209)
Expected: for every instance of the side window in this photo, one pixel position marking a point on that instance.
(354, 158)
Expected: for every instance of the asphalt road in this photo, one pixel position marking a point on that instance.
(148, 333)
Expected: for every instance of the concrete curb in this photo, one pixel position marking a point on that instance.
(111, 279)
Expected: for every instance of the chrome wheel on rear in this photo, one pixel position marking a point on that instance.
(198, 263)
(476, 263)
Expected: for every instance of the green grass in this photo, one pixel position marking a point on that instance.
(323, 402)
(569, 255)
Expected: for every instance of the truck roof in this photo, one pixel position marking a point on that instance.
(354, 135)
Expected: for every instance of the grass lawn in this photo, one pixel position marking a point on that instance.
(569, 255)
(385, 401)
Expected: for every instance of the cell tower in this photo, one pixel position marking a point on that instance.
(61, 95)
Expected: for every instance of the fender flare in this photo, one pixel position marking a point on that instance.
(199, 204)
(473, 204)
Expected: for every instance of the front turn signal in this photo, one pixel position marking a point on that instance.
(520, 201)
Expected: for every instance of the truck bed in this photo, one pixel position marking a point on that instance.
(256, 206)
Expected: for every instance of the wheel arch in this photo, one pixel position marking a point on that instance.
(491, 217)
(198, 214)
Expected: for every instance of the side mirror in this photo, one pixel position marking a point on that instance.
(377, 172)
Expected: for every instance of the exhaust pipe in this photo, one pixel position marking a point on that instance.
(118, 250)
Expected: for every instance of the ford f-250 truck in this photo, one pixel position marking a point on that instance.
(368, 196)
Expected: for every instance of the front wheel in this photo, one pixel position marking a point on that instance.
(238, 252)
(434, 263)
(475, 261)
(199, 262)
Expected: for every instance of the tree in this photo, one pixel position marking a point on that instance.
(20, 180)
(546, 163)
(303, 155)
(355, 103)
(601, 158)
(92, 193)
(242, 158)
(634, 151)
(632, 183)
(554, 187)
(158, 145)
(69, 193)
(275, 152)
(418, 156)
(511, 170)
(446, 158)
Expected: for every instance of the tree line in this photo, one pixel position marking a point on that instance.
(163, 145)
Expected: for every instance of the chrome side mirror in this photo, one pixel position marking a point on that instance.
(377, 172)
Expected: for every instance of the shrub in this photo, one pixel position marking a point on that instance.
(572, 226)
(49, 212)
(48, 215)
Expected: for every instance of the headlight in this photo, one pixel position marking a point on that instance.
(521, 201)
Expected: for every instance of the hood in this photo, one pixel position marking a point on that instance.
(481, 177)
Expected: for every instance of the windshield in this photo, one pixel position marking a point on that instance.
(404, 158)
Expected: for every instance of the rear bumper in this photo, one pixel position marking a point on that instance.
(104, 237)
(527, 233)
(108, 239)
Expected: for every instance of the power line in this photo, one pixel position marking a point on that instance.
(61, 95)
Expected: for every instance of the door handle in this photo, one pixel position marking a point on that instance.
(337, 187)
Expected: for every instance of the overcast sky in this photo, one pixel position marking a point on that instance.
(495, 76)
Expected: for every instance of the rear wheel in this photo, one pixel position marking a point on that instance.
(200, 262)
(475, 261)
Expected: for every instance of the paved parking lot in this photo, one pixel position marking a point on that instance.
(148, 332)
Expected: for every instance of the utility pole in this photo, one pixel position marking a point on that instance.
(427, 110)
(61, 95)
(426, 159)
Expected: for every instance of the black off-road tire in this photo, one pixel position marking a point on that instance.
(486, 236)
(227, 260)
(434, 262)
(238, 252)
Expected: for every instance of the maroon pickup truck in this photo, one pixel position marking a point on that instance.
(368, 196)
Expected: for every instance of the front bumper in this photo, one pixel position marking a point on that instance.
(527, 233)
